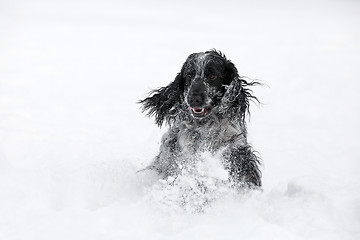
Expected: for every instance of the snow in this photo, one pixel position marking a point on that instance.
(72, 136)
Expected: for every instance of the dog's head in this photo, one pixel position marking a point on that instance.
(206, 76)
(207, 84)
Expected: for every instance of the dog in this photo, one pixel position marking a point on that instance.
(205, 108)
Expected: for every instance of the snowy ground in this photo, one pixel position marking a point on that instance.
(72, 135)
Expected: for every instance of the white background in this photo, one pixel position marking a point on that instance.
(72, 135)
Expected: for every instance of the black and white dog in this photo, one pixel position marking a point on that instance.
(205, 107)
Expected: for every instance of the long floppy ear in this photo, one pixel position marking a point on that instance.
(163, 102)
(236, 100)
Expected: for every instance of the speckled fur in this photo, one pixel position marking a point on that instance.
(222, 132)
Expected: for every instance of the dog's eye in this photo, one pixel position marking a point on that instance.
(212, 77)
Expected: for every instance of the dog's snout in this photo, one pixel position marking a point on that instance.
(197, 93)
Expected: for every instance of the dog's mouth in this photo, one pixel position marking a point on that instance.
(200, 112)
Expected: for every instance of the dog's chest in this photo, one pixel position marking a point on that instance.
(211, 136)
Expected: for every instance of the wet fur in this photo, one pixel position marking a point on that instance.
(223, 131)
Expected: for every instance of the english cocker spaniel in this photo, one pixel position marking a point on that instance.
(205, 108)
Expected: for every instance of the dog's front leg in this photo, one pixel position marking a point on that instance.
(243, 165)
(165, 162)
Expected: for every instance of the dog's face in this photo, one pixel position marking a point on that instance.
(207, 84)
(205, 77)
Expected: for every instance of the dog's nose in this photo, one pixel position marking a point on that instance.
(195, 100)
